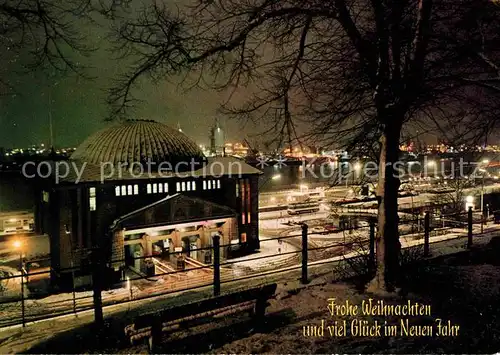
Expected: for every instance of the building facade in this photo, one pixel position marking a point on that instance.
(141, 190)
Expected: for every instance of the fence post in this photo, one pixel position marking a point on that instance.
(22, 289)
(73, 287)
(304, 254)
(469, 228)
(216, 245)
(371, 256)
(97, 276)
(427, 228)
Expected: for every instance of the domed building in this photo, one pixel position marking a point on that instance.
(140, 192)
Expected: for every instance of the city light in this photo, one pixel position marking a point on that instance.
(276, 177)
(431, 163)
(486, 161)
(357, 166)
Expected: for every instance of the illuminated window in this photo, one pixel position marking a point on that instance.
(165, 187)
(160, 188)
(149, 189)
(237, 190)
(248, 217)
(178, 186)
(117, 191)
(218, 184)
(136, 189)
(45, 196)
(247, 197)
(243, 237)
(193, 185)
(188, 186)
(155, 188)
(124, 190)
(242, 186)
(183, 186)
(209, 183)
(92, 199)
(129, 188)
(204, 184)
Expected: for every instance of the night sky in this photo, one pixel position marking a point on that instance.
(79, 107)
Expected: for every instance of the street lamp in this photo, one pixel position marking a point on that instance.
(18, 245)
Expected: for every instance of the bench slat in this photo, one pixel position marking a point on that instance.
(202, 306)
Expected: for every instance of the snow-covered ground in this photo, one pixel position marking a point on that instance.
(271, 252)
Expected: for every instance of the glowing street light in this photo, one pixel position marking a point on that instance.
(469, 202)
(276, 177)
(486, 161)
(17, 244)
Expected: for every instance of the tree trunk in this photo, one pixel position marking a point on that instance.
(387, 240)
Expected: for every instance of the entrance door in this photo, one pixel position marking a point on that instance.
(186, 246)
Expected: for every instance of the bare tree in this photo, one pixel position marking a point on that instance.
(452, 200)
(47, 32)
(359, 72)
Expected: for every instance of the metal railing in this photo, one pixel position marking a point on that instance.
(27, 295)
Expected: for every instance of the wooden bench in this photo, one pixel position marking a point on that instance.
(153, 326)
